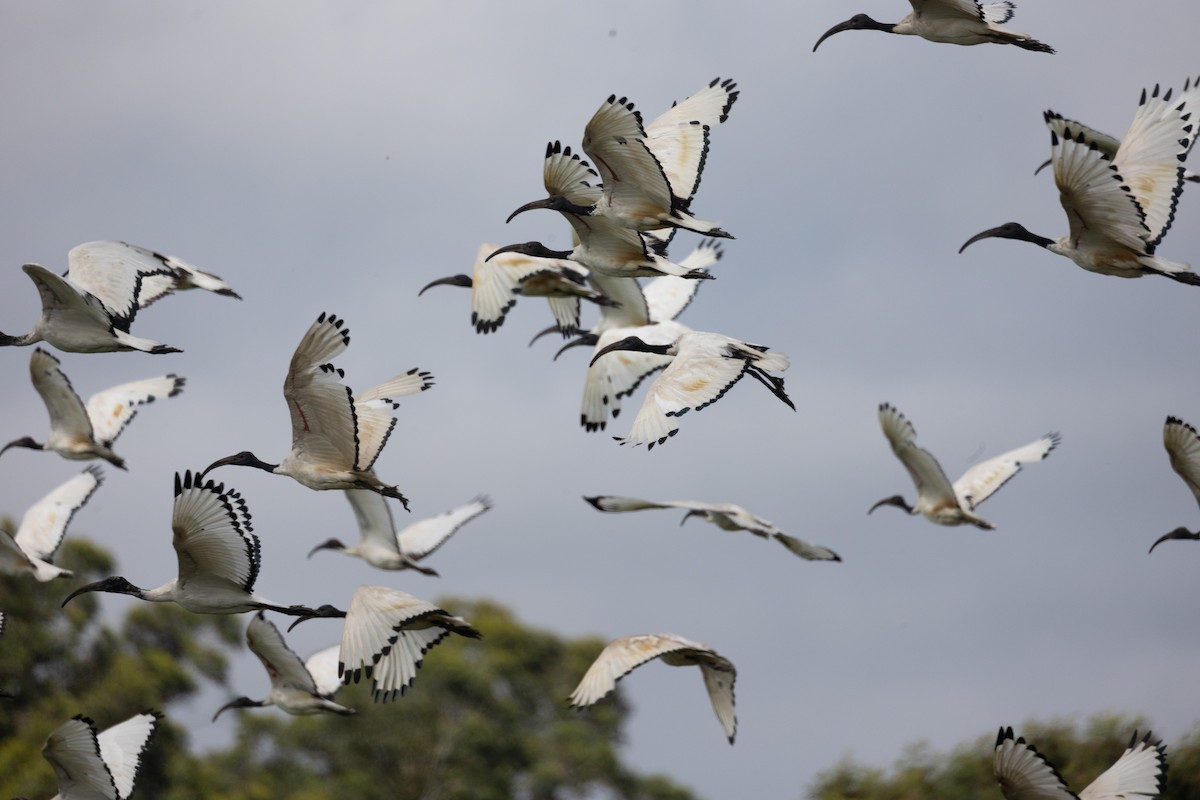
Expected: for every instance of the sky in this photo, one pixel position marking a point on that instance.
(336, 157)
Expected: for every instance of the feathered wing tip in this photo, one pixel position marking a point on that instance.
(122, 746)
(997, 13)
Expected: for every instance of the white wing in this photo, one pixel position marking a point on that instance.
(1140, 772)
(320, 405)
(1183, 448)
(68, 417)
(678, 138)
(282, 664)
(1150, 159)
(114, 272)
(1023, 773)
(667, 296)
(806, 550)
(927, 475)
(424, 536)
(111, 410)
(373, 419)
(212, 535)
(45, 523)
(122, 745)
(982, 480)
(323, 667)
(74, 753)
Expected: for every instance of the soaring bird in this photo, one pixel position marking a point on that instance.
(964, 22)
(1183, 448)
(336, 435)
(1189, 97)
(1119, 206)
(99, 766)
(386, 635)
(937, 499)
(650, 174)
(726, 516)
(496, 284)
(297, 687)
(703, 368)
(31, 549)
(383, 547)
(1024, 774)
(85, 432)
(602, 244)
(219, 555)
(622, 656)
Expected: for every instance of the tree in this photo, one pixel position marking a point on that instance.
(966, 773)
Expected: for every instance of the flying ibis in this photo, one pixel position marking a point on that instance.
(1183, 449)
(383, 547)
(127, 277)
(386, 635)
(297, 687)
(82, 432)
(219, 555)
(336, 435)
(31, 549)
(703, 368)
(99, 766)
(937, 499)
(1025, 774)
(602, 244)
(1120, 206)
(1190, 97)
(496, 284)
(649, 174)
(964, 22)
(622, 656)
(726, 516)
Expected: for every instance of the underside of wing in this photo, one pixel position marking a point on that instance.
(74, 754)
(565, 173)
(324, 339)
(719, 682)
(373, 413)
(668, 296)
(122, 746)
(67, 413)
(1150, 159)
(1140, 772)
(1100, 209)
(424, 536)
(45, 522)
(322, 667)
(282, 664)
(212, 534)
(983, 480)
(620, 657)
(617, 505)
(111, 410)
(114, 272)
(1023, 773)
(323, 419)
(806, 550)
(1183, 448)
(679, 137)
(685, 385)
(927, 475)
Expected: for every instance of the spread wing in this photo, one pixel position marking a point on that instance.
(1183, 448)
(111, 410)
(927, 475)
(982, 480)
(212, 534)
(1023, 773)
(424, 536)
(45, 522)
(281, 662)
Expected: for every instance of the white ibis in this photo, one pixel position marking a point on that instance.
(609, 380)
(99, 766)
(622, 656)
(1024, 774)
(1119, 207)
(297, 687)
(650, 174)
(383, 547)
(937, 499)
(726, 516)
(386, 635)
(496, 284)
(219, 555)
(31, 549)
(1183, 449)
(703, 368)
(602, 244)
(82, 432)
(1189, 97)
(75, 320)
(964, 22)
(336, 435)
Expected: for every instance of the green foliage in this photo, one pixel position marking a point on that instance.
(1080, 755)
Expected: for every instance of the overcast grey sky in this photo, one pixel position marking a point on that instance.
(338, 156)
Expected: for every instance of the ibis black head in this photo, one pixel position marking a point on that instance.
(587, 339)
(555, 202)
(328, 544)
(24, 441)
(242, 459)
(695, 512)
(894, 500)
(1178, 533)
(241, 702)
(113, 585)
(534, 249)
(453, 280)
(316, 613)
(1009, 230)
(859, 22)
(634, 344)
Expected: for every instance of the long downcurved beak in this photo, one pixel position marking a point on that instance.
(1045, 164)
(841, 26)
(988, 234)
(587, 339)
(453, 280)
(545, 202)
